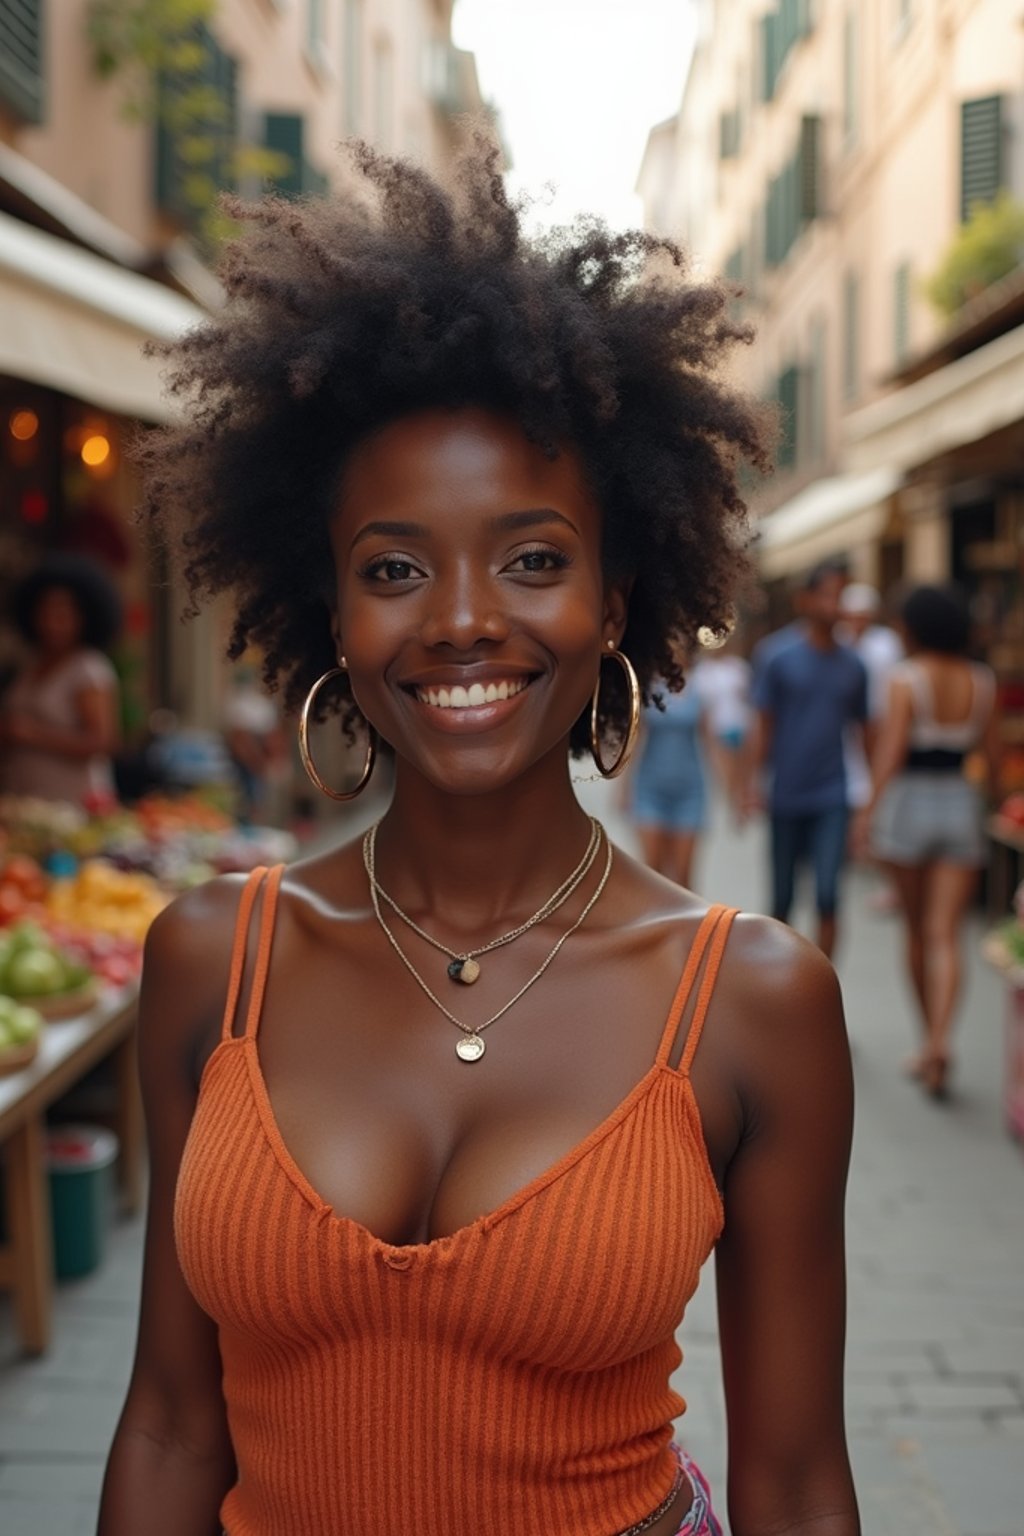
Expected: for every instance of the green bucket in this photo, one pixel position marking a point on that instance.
(80, 1159)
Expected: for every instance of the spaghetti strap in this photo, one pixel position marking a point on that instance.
(259, 981)
(708, 925)
(707, 987)
(245, 907)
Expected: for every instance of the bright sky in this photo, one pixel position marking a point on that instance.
(579, 83)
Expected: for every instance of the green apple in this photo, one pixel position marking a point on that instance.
(34, 973)
(24, 1025)
(6, 1038)
(28, 935)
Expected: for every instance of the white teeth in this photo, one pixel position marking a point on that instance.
(473, 696)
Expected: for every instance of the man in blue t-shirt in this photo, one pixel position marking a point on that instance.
(808, 691)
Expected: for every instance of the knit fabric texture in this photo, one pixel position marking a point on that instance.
(512, 1376)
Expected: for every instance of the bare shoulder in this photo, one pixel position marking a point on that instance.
(778, 1004)
(186, 962)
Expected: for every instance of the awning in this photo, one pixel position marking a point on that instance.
(75, 322)
(829, 517)
(963, 401)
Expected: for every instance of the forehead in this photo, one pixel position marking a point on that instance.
(435, 463)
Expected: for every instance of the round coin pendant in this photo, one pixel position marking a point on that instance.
(470, 1048)
(465, 971)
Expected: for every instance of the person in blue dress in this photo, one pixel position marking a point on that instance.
(668, 789)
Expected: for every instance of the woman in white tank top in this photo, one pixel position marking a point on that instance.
(924, 820)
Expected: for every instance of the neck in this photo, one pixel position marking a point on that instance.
(820, 635)
(476, 860)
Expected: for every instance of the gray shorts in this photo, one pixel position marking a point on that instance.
(924, 816)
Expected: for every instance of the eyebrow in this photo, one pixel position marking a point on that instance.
(506, 522)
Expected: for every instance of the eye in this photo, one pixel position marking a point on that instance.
(539, 561)
(390, 570)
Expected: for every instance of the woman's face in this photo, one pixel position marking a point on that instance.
(471, 604)
(57, 621)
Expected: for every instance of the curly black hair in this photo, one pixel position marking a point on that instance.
(936, 619)
(94, 594)
(347, 312)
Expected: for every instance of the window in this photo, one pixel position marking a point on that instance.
(314, 27)
(197, 133)
(816, 392)
(352, 70)
(21, 58)
(729, 135)
(981, 152)
(793, 196)
(383, 94)
(850, 78)
(851, 336)
(901, 313)
(787, 393)
(284, 132)
(781, 29)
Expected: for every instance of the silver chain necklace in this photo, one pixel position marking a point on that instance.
(464, 965)
(472, 1045)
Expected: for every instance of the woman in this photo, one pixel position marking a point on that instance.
(723, 678)
(925, 818)
(421, 1286)
(668, 795)
(58, 720)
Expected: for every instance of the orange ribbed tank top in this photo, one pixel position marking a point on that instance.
(511, 1377)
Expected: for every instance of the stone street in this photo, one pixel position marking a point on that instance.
(936, 1262)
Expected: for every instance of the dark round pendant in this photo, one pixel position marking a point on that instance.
(465, 971)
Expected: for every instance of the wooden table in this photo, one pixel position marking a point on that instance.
(68, 1049)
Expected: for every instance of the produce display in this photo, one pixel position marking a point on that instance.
(79, 888)
(102, 899)
(20, 1031)
(34, 965)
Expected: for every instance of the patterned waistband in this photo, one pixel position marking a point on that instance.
(699, 1519)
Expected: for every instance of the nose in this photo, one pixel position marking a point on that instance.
(464, 610)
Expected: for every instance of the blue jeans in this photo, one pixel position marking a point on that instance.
(819, 836)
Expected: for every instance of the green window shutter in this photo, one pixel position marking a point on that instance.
(810, 167)
(901, 312)
(196, 143)
(981, 152)
(851, 336)
(787, 393)
(21, 58)
(728, 135)
(284, 133)
(769, 69)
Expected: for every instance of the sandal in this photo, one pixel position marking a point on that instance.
(935, 1076)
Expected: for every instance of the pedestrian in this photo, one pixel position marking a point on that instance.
(59, 717)
(879, 648)
(256, 742)
(809, 693)
(428, 1271)
(722, 679)
(668, 798)
(924, 819)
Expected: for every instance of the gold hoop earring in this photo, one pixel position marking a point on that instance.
(307, 756)
(626, 750)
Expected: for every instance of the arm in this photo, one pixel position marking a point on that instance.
(95, 735)
(780, 1263)
(171, 1462)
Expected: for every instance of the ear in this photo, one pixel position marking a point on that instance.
(616, 608)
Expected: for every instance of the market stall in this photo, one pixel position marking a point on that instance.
(78, 892)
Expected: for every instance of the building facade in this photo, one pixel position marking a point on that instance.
(825, 155)
(118, 129)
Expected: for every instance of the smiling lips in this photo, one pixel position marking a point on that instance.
(474, 696)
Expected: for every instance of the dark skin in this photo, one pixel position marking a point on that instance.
(375, 1109)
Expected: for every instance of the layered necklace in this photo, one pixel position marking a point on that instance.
(472, 1045)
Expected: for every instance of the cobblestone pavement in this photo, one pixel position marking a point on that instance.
(936, 1243)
